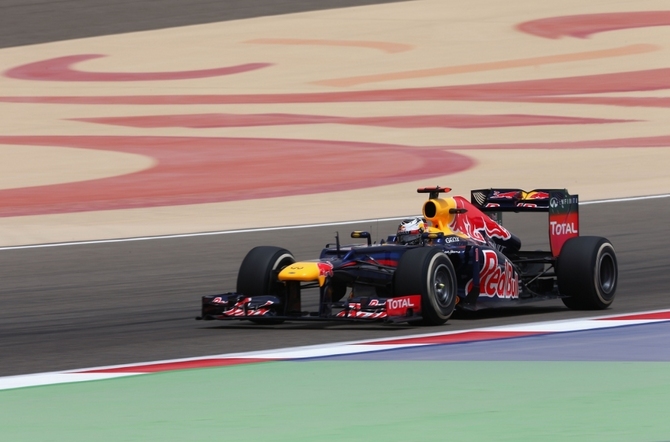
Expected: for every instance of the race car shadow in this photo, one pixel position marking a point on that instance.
(322, 325)
(505, 312)
(458, 315)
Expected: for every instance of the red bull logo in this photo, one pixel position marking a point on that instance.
(475, 224)
(325, 268)
(537, 196)
(505, 195)
(496, 280)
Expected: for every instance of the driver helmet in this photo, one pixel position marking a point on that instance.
(410, 230)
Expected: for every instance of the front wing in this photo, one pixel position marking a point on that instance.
(235, 306)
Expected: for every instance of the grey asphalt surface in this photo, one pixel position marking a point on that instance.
(25, 22)
(90, 305)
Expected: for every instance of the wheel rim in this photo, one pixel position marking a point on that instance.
(607, 273)
(442, 286)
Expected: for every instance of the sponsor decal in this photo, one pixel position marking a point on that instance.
(537, 196)
(242, 308)
(505, 195)
(563, 228)
(325, 268)
(358, 314)
(563, 220)
(258, 312)
(219, 300)
(399, 303)
(499, 247)
(496, 280)
(237, 309)
(475, 224)
(555, 202)
(403, 305)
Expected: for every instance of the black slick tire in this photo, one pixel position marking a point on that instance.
(258, 275)
(587, 273)
(429, 272)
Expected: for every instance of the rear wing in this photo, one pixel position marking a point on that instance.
(563, 209)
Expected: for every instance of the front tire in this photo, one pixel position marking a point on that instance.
(258, 275)
(429, 272)
(587, 273)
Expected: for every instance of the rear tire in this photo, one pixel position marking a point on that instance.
(587, 272)
(258, 275)
(429, 272)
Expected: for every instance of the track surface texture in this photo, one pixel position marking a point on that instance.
(90, 305)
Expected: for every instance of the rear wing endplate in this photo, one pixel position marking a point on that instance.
(563, 209)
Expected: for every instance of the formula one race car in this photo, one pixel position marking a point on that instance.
(458, 255)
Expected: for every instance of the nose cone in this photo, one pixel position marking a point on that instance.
(307, 271)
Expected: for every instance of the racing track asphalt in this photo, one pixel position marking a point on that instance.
(24, 22)
(102, 304)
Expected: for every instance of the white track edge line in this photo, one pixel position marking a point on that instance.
(271, 229)
(197, 234)
(321, 350)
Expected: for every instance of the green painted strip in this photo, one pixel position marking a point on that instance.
(354, 401)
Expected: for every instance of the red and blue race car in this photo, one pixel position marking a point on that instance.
(457, 255)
